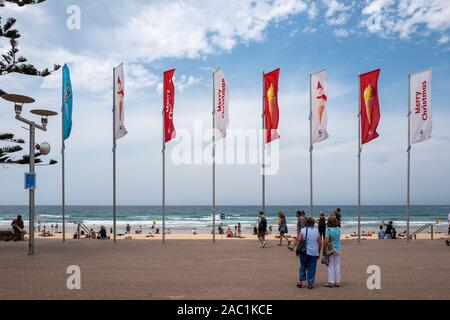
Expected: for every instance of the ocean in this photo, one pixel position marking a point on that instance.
(184, 218)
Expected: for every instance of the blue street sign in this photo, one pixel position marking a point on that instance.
(222, 216)
(30, 181)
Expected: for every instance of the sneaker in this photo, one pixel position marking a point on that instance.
(328, 285)
(264, 244)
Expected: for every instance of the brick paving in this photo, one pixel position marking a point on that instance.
(196, 269)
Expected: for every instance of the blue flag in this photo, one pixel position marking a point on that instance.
(67, 98)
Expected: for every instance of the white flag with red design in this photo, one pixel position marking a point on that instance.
(221, 98)
(319, 100)
(119, 92)
(420, 106)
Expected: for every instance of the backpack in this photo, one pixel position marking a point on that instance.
(301, 248)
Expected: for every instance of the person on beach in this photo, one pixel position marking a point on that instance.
(239, 230)
(128, 229)
(283, 229)
(448, 220)
(388, 231)
(102, 234)
(309, 246)
(394, 234)
(322, 225)
(229, 233)
(381, 233)
(262, 229)
(339, 216)
(333, 236)
(18, 227)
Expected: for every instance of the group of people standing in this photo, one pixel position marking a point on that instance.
(310, 243)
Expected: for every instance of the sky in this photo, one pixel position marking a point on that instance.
(244, 38)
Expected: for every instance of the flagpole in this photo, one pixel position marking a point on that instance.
(63, 147)
(310, 150)
(359, 160)
(263, 151)
(114, 154)
(163, 178)
(214, 162)
(408, 189)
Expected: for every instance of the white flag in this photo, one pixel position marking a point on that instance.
(119, 92)
(319, 98)
(420, 106)
(221, 97)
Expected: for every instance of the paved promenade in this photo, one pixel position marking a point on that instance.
(232, 269)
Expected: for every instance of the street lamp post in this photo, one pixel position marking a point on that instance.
(19, 101)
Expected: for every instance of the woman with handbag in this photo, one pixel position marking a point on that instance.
(308, 249)
(283, 229)
(332, 249)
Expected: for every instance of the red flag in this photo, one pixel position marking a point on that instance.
(169, 101)
(370, 108)
(271, 111)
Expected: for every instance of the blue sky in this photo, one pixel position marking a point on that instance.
(244, 38)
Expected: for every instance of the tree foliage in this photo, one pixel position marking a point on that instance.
(12, 62)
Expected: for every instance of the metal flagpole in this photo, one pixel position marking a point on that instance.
(114, 153)
(31, 191)
(63, 148)
(263, 151)
(310, 149)
(214, 161)
(163, 178)
(359, 161)
(409, 161)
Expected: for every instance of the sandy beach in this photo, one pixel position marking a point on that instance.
(247, 236)
(229, 270)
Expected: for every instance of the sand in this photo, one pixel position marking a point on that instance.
(203, 236)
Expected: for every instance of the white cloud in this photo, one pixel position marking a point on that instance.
(339, 20)
(181, 83)
(406, 17)
(198, 28)
(444, 39)
(334, 6)
(341, 33)
(312, 11)
(309, 30)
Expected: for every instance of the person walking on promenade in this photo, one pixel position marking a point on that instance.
(332, 249)
(262, 229)
(309, 246)
(301, 223)
(322, 225)
(283, 229)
